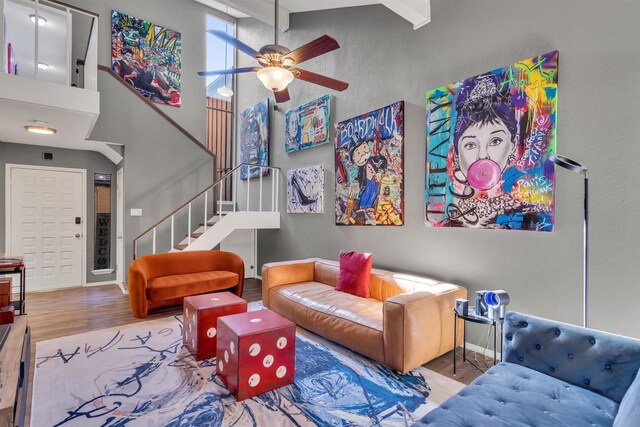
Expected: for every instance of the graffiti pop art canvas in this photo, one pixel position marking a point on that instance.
(369, 158)
(489, 139)
(305, 190)
(147, 56)
(254, 139)
(307, 126)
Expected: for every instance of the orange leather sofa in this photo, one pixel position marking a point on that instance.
(165, 279)
(407, 321)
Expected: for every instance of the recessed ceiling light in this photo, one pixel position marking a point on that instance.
(41, 19)
(40, 128)
(43, 65)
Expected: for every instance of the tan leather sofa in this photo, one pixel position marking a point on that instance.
(407, 321)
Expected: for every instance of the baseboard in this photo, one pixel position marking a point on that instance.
(258, 277)
(108, 282)
(479, 350)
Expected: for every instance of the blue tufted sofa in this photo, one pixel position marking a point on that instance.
(553, 374)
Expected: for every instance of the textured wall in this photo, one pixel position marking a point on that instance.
(384, 61)
(93, 162)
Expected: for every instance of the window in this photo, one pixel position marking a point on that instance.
(102, 221)
(220, 106)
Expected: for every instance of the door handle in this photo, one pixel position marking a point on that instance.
(77, 235)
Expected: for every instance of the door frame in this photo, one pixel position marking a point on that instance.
(7, 213)
(120, 229)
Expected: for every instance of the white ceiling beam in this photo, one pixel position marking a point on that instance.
(418, 12)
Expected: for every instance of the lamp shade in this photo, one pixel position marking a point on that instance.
(275, 78)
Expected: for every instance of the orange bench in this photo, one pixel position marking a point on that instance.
(165, 279)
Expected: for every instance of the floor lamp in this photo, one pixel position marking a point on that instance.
(574, 166)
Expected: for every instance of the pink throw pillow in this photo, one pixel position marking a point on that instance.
(355, 273)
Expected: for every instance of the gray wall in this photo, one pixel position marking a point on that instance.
(62, 158)
(162, 168)
(384, 60)
(186, 16)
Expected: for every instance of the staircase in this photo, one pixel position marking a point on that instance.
(211, 218)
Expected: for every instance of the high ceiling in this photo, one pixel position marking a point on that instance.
(417, 12)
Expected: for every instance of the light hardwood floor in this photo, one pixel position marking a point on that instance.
(72, 311)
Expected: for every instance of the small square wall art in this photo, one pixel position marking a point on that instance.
(305, 190)
(254, 139)
(489, 139)
(369, 158)
(307, 125)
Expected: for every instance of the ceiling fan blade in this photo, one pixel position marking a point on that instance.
(228, 71)
(319, 79)
(317, 47)
(235, 43)
(282, 95)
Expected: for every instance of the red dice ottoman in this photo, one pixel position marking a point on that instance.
(200, 319)
(256, 352)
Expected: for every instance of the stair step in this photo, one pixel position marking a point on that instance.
(209, 224)
(180, 246)
(194, 235)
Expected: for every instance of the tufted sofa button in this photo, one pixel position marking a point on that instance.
(509, 337)
(524, 324)
(557, 332)
(552, 369)
(537, 346)
(592, 341)
(570, 356)
(587, 382)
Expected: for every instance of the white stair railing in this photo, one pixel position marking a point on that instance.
(203, 197)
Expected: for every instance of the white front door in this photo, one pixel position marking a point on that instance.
(45, 210)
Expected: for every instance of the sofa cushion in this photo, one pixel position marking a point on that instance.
(510, 395)
(629, 411)
(181, 285)
(355, 273)
(349, 320)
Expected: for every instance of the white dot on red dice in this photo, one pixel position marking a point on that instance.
(282, 343)
(215, 299)
(226, 356)
(232, 347)
(193, 343)
(254, 350)
(267, 361)
(189, 326)
(281, 371)
(220, 365)
(186, 312)
(211, 332)
(256, 320)
(254, 380)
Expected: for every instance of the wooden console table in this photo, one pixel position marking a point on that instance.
(15, 356)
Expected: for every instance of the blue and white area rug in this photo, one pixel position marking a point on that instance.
(140, 375)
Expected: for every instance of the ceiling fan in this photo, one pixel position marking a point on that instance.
(278, 65)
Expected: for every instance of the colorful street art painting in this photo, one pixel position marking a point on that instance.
(307, 125)
(147, 56)
(254, 139)
(369, 157)
(489, 139)
(305, 190)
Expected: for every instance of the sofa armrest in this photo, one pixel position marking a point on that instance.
(284, 273)
(137, 286)
(594, 360)
(418, 326)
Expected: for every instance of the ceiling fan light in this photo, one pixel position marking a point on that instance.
(227, 92)
(275, 78)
